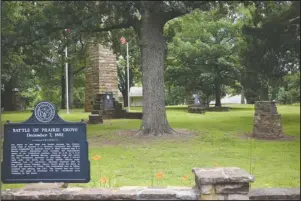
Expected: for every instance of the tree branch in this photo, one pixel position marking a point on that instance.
(172, 14)
(116, 26)
(291, 20)
(229, 39)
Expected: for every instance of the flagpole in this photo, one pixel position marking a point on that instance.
(1, 145)
(66, 76)
(128, 75)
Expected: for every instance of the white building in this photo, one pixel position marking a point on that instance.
(135, 97)
(228, 99)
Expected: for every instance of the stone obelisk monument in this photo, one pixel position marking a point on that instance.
(267, 121)
(101, 74)
(101, 87)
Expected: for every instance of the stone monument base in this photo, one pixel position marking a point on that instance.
(267, 121)
(218, 109)
(106, 107)
(95, 119)
(197, 109)
(203, 109)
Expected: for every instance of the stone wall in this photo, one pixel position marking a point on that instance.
(123, 193)
(275, 194)
(210, 184)
(267, 121)
(140, 193)
(101, 74)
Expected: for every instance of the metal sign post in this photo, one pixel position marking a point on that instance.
(66, 76)
(128, 74)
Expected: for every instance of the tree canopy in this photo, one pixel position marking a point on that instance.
(204, 56)
(273, 43)
(189, 46)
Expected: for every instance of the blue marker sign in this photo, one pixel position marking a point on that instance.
(45, 148)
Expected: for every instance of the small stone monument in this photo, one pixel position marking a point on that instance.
(196, 107)
(105, 107)
(196, 99)
(267, 121)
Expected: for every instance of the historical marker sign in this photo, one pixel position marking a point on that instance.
(108, 101)
(45, 148)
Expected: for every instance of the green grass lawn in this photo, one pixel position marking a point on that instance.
(216, 140)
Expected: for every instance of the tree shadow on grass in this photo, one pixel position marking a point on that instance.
(184, 108)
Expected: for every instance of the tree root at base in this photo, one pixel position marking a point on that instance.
(157, 132)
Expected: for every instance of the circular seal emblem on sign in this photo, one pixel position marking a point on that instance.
(44, 112)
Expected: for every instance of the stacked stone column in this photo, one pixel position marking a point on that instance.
(230, 183)
(267, 121)
(101, 74)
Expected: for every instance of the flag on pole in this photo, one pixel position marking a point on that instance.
(67, 31)
(123, 40)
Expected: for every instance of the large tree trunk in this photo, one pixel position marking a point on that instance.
(274, 92)
(242, 97)
(188, 98)
(207, 100)
(264, 93)
(217, 93)
(123, 85)
(152, 43)
(8, 94)
(125, 97)
(2, 99)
